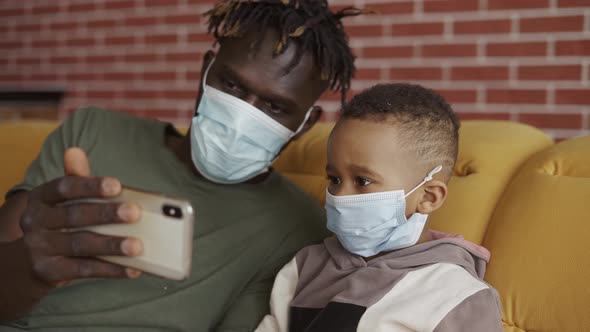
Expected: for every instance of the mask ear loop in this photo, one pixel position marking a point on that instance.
(204, 81)
(426, 179)
(307, 115)
(296, 132)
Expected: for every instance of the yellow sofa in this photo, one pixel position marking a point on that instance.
(513, 191)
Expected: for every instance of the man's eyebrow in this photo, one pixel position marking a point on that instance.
(274, 98)
(329, 168)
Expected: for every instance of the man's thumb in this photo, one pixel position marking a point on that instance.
(76, 162)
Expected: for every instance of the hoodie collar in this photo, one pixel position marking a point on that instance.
(442, 248)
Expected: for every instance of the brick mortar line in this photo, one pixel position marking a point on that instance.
(550, 96)
(472, 15)
(390, 18)
(585, 72)
(418, 11)
(162, 65)
(471, 61)
(495, 108)
(483, 5)
(480, 97)
(480, 56)
(106, 14)
(469, 85)
(500, 85)
(513, 72)
(358, 84)
(553, 6)
(521, 109)
(462, 39)
(122, 31)
(587, 22)
(514, 26)
(448, 32)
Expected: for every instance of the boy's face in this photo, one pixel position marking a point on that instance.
(365, 156)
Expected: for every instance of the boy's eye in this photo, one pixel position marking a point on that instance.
(334, 179)
(362, 182)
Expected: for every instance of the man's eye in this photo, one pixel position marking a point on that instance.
(274, 109)
(231, 86)
(362, 182)
(334, 179)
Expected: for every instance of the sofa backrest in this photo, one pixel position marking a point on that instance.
(20, 142)
(539, 236)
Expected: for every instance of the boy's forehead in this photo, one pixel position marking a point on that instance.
(375, 144)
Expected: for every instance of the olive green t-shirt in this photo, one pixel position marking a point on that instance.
(243, 235)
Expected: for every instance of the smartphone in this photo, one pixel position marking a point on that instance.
(165, 229)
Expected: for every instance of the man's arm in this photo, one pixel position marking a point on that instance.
(479, 312)
(19, 290)
(283, 292)
(36, 255)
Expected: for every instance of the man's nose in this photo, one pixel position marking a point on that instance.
(252, 100)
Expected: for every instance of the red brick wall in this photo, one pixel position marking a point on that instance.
(523, 60)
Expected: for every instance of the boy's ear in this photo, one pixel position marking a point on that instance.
(435, 193)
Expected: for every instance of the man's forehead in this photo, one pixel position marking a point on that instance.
(252, 50)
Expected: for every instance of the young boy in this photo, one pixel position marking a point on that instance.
(390, 157)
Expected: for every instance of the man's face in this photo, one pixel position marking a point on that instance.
(264, 80)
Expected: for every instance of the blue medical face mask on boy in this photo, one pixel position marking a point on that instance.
(231, 140)
(368, 224)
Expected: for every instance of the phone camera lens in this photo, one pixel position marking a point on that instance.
(172, 211)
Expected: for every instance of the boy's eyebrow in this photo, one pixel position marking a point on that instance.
(277, 99)
(365, 170)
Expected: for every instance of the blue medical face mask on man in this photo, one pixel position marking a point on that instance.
(232, 141)
(368, 224)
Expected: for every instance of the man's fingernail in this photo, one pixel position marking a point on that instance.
(132, 247)
(132, 273)
(128, 212)
(111, 186)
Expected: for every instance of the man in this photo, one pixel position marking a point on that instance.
(275, 59)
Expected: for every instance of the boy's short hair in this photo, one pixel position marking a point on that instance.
(428, 123)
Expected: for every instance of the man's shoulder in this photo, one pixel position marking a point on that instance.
(92, 115)
(92, 126)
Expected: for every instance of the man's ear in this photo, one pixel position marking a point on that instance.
(314, 117)
(434, 195)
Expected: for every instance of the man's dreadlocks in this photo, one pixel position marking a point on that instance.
(309, 23)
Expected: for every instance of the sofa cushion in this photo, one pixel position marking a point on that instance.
(490, 152)
(539, 237)
(20, 143)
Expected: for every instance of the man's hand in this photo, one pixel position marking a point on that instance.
(58, 252)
